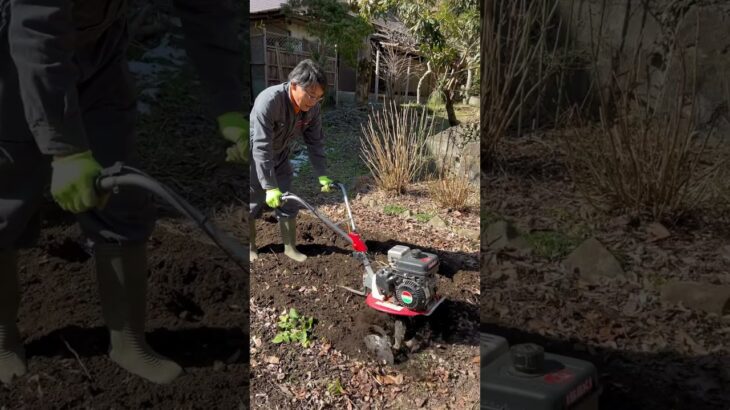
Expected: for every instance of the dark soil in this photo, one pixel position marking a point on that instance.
(196, 316)
(343, 319)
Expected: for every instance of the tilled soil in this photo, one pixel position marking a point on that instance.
(289, 376)
(196, 316)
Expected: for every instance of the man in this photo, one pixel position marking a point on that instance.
(280, 114)
(67, 109)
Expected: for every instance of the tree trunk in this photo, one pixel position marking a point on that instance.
(449, 89)
(467, 87)
(450, 111)
(377, 74)
(420, 82)
(364, 70)
(408, 82)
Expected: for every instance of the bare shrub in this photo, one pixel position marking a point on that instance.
(646, 155)
(515, 63)
(451, 191)
(393, 145)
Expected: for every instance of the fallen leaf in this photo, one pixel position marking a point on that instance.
(397, 379)
(272, 360)
(325, 348)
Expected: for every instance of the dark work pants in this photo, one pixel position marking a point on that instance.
(257, 194)
(108, 103)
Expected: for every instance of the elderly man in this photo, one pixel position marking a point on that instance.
(280, 114)
(67, 109)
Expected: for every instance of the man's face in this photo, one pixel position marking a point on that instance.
(306, 98)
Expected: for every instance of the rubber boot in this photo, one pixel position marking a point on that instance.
(122, 276)
(289, 237)
(12, 354)
(253, 251)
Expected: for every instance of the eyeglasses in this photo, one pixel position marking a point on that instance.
(312, 97)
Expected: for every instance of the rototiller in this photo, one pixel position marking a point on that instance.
(405, 287)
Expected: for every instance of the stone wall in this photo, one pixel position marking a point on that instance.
(458, 146)
(665, 36)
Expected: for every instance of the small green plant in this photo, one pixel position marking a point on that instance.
(335, 388)
(294, 328)
(423, 217)
(551, 244)
(394, 209)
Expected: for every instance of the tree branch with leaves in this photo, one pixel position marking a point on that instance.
(334, 24)
(447, 32)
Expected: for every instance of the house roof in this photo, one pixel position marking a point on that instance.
(261, 6)
(387, 28)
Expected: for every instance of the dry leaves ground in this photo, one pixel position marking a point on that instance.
(649, 355)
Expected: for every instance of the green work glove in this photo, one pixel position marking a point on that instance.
(326, 183)
(273, 197)
(73, 182)
(234, 128)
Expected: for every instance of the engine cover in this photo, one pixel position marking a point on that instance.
(412, 295)
(410, 277)
(417, 263)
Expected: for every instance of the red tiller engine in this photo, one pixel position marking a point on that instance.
(410, 277)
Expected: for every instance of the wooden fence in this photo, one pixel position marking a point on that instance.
(274, 56)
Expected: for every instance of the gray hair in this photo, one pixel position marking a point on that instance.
(308, 73)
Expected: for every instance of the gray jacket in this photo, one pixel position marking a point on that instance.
(44, 35)
(274, 125)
